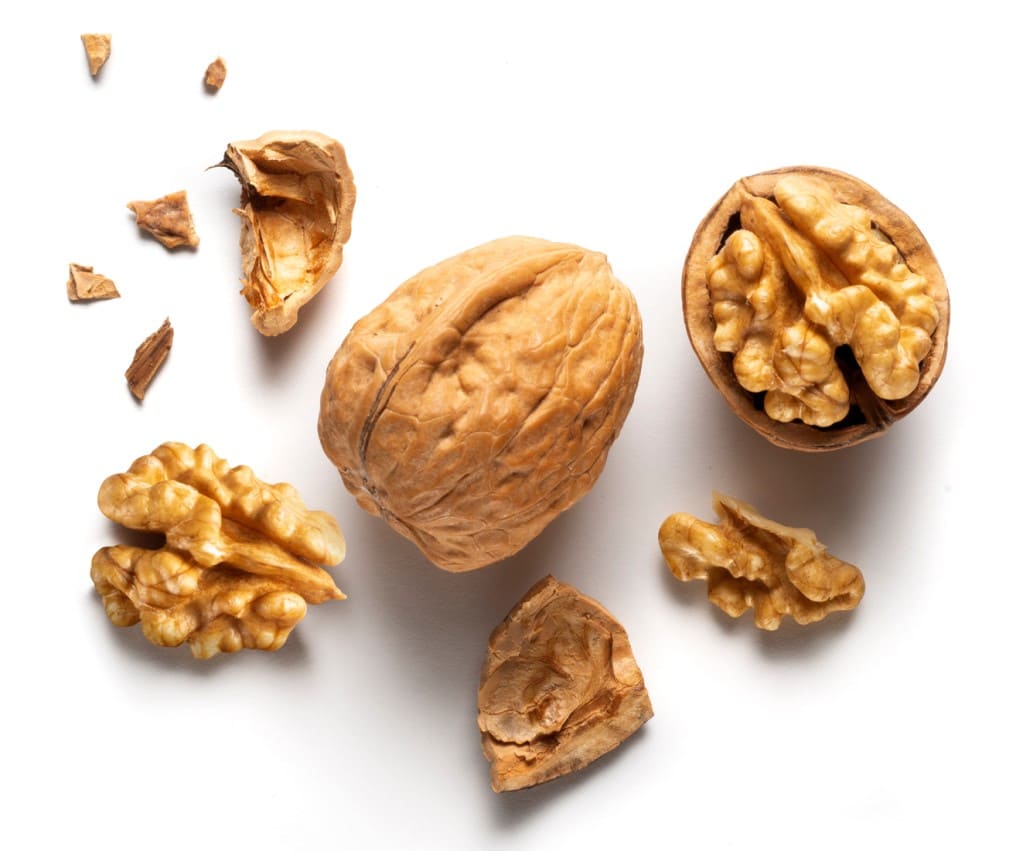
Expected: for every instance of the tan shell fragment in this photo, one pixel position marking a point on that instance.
(97, 49)
(216, 73)
(560, 687)
(239, 561)
(297, 199)
(167, 219)
(752, 562)
(83, 284)
(148, 358)
(816, 307)
(481, 398)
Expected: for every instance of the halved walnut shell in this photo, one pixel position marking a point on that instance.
(816, 307)
(297, 198)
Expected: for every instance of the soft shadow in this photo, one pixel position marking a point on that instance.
(279, 354)
(792, 641)
(510, 809)
(818, 490)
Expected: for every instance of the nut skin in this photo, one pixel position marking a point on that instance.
(481, 398)
(869, 416)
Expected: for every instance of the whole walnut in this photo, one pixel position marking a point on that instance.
(480, 399)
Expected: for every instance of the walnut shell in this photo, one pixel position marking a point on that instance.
(481, 398)
(297, 199)
(849, 252)
(559, 688)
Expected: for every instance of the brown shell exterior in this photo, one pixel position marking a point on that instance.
(481, 398)
(870, 416)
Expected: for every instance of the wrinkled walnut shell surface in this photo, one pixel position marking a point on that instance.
(868, 415)
(296, 207)
(559, 688)
(481, 398)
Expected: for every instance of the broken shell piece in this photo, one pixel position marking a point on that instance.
(149, 357)
(167, 219)
(97, 48)
(559, 688)
(85, 285)
(297, 198)
(752, 562)
(216, 73)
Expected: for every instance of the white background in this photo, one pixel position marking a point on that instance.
(615, 126)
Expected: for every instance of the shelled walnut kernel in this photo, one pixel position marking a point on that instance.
(239, 561)
(752, 562)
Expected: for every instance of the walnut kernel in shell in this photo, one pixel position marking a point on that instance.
(815, 306)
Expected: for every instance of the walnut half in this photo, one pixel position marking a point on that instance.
(815, 306)
(239, 560)
(559, 688)
(752, 562)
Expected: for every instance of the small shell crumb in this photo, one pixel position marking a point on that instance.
(216, 73)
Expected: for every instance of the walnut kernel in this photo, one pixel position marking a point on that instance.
(297, 199)
(815, 306)
(752, 562)
(560, 687)
(239, 561)
(480, 400)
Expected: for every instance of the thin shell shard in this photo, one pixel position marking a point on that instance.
(297, 199)
(749, 561)
(481, 398)
(83, 284)
(148, 359)
(97, 50)
(560, 687)
(216, 73)
(167, 219)
(240, 559)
